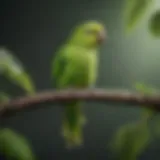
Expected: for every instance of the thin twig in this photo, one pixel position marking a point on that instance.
(119, 96)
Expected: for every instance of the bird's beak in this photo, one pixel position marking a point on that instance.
(101, 37)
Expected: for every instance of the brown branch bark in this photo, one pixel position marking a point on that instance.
(119, 96)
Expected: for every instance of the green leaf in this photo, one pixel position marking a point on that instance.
(130, 141)
(146, 90)
(13, 69)
(154, 24)
(4, 97)
(134, 11)
(14, 146)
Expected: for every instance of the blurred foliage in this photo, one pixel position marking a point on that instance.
(132, 139)
(154, 24)
(134, 12)
(4, 97)
(147, 90)
(13, 69)
(13, 145)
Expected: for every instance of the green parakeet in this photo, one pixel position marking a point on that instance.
(75, 66)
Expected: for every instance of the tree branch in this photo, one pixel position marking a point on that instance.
(119, 96)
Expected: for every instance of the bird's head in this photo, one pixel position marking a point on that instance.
(90, 34)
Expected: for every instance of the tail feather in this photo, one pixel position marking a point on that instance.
(74, 121)
(73, 137)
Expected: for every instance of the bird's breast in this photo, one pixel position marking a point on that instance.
(87, 65)
(92, 68)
